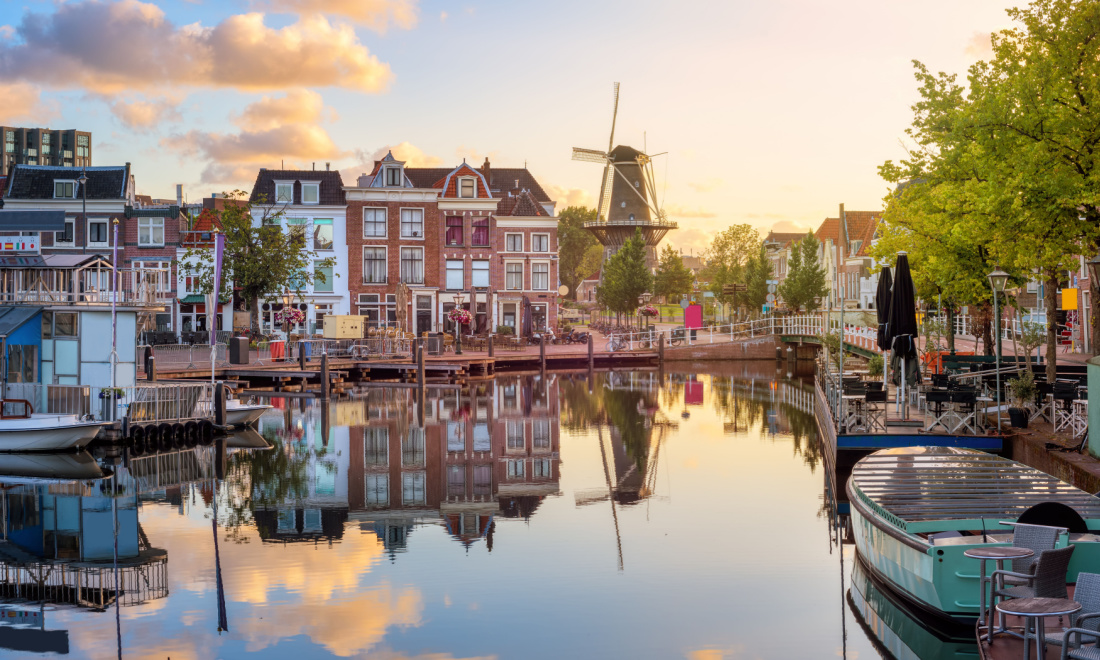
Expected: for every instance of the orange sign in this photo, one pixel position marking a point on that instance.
(1069, 299)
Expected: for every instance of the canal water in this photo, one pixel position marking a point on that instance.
(614, 515)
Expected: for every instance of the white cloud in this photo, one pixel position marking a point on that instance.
(980, 45)
(570, 196)
(142, 115)
(295, 107)
(23, 103)
(377, 15)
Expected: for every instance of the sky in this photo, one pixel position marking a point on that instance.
(770, 112)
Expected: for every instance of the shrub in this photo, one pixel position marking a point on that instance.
(505, 330)
(874, 366)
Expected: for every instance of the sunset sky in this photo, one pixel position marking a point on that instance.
(772, 111)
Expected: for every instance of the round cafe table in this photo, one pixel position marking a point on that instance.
(1035, 610)
(998, 553)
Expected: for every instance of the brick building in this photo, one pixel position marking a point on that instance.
(478, 237)
(42, 146)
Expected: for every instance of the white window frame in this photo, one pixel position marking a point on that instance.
(423, 264)
(385, 223)
(534, 244)
(401, 222)
(474, 272)
(447, 270)
(508, 236)
(540, 263)
(316, 187)
(163, 271)
(330, 281)
(151, 225)
(462, 180)
(69, 181)
(88, 222)
(289, 200)
(522, 276)
(386, 259)
(387, 171)
(72, 243)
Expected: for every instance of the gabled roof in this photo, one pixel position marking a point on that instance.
(861, 227)
(375, 181)
(594, 277)
(783, 238)
(449, 183)
(522, 205)
(36, 181)
(331, 190)
(829, 230)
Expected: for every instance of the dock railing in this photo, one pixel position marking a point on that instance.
(150, 403)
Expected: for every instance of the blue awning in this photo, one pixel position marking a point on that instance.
(32, 220)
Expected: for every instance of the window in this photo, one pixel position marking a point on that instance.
(480, 271)
(454, 230)
(322, 233)
(480, 234)
(45, 138)
(540, 242)
(322, 273)
(412, 487)
(150, 231)
(540, 468)
(513, 242)
(60, 237)
(297, 228)
(376, 446)
(513, 276)
(97, 232)
(540, 434)
(456, 440)
(514, 436)
(414, 448)
(378, 313)
(311, 193)
(378, 490)
(454, 274)
(154, 273)
(515, 469)
(64, 324)
(393, 176)
(412, 265)
(466, 187)
(284, 192)
(412, 223)
(540, 276)
(64, 189)
(374, 265)
(22, 363)
(374, 223)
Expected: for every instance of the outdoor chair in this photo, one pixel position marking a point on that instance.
(448, 343)
(963, 402)
(942, 414)
(1044, 404)
(1062, 401)
(1046, 580)
(853, 400)
(1085, 622)
(875, 410)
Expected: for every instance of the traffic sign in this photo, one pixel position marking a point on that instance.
(684, 303)
(772, 288)
(771, 297)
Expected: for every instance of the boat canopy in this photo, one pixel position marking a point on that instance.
(912, 487)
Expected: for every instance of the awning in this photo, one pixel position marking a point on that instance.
(199, 299)
(11, 220)
(11, 318)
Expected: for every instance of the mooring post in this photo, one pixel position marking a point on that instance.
(151, 368)
(591, 351)
(490, 347)
(221, 458)
(661, 349)
(420, 367)
(778, 353)
(324, 376)
(219, 404)
(301, 358)
(542, 352)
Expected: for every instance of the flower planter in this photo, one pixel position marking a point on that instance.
(1018, 417)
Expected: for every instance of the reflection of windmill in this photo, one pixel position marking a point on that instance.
(628, 195)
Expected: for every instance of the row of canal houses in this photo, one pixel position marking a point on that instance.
(482, 237)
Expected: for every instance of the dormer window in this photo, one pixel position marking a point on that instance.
(311, 193)
(284, 192)
(467, 187)
(64, 189)
(393, 176)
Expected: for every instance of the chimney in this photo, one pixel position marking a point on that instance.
(314, 164)
(327, 166)
(179, 194)
(486, 170)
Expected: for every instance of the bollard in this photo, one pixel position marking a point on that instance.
(420, 368)
(324, 376)
(591, 351)
(219, 404)
(661, 349)
(490, 345)
(151, 368)
(542, 352)
(778, 353)
(301, 360)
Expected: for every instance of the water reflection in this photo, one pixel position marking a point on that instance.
(339, 527)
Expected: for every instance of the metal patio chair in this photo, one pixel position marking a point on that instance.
(1062, 402)
(942, 415)
(1084, 622)
(963, 402)
(1046, 580)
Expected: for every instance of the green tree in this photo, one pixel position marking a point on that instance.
(260, 257)
(805, 282)
(672, 279)
(757, 273)
(727, 257)
(625, 277)
(576, 247)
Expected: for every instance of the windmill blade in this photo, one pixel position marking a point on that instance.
(605, 192)
(589, 155)
(614, 115)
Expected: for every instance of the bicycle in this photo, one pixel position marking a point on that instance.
(616, 343)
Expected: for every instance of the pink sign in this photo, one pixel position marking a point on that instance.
(693, 316)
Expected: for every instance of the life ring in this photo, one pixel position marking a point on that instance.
(191, 433)
(167, 436)
(206, 427)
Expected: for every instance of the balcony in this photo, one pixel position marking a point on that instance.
(83, 280)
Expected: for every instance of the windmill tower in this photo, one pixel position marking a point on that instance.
(628, 196)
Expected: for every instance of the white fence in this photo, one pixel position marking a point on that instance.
(160, 402)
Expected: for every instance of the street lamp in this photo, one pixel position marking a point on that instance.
(83, 181)
(288, 297)
(643, 300)
(459, 299)
(997, 280)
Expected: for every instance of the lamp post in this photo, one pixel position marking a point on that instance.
(997, 280)
(288, 298)
(459, 299)
(83, 181)
(643, 300)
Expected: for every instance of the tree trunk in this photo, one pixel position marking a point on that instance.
(254, 313)
(987, 337)
(950, 328)
(1050, 300)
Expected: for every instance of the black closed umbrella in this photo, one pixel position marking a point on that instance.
(882, 306)
(901, 325)
(526, 324)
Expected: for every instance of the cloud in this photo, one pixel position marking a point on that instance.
(295, 107)
(706, 186)
(58, 50)
(980, 45)
(374, 14)
(475, 157)
(292, 141)
(442, 17)
(677, 211)
(142, 115)
(691, 240)
(789, 227)
(570, 196)
(23, 102)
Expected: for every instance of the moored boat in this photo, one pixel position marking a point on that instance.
(916, 510)
(239, 413)
(23, 430)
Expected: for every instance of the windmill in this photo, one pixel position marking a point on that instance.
(628, 195)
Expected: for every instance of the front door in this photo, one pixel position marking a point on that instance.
(423, 314)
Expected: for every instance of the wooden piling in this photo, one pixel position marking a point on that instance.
(151, 368)
(420, 367)
(301, 358)
(325, 384)
(490, 347)
(219, 404)
(542, 352)
(661, 349)
(591, 351)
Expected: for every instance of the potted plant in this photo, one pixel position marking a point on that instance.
(874, 366)
(1021, 394)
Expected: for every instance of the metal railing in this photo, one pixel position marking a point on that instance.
(160, 402)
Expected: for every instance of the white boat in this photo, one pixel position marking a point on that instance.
(239, 413)
(33, 468)
(21, 429)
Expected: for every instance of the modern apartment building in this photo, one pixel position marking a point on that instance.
(44, 146)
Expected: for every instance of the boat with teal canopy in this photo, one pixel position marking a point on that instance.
(917, 510)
